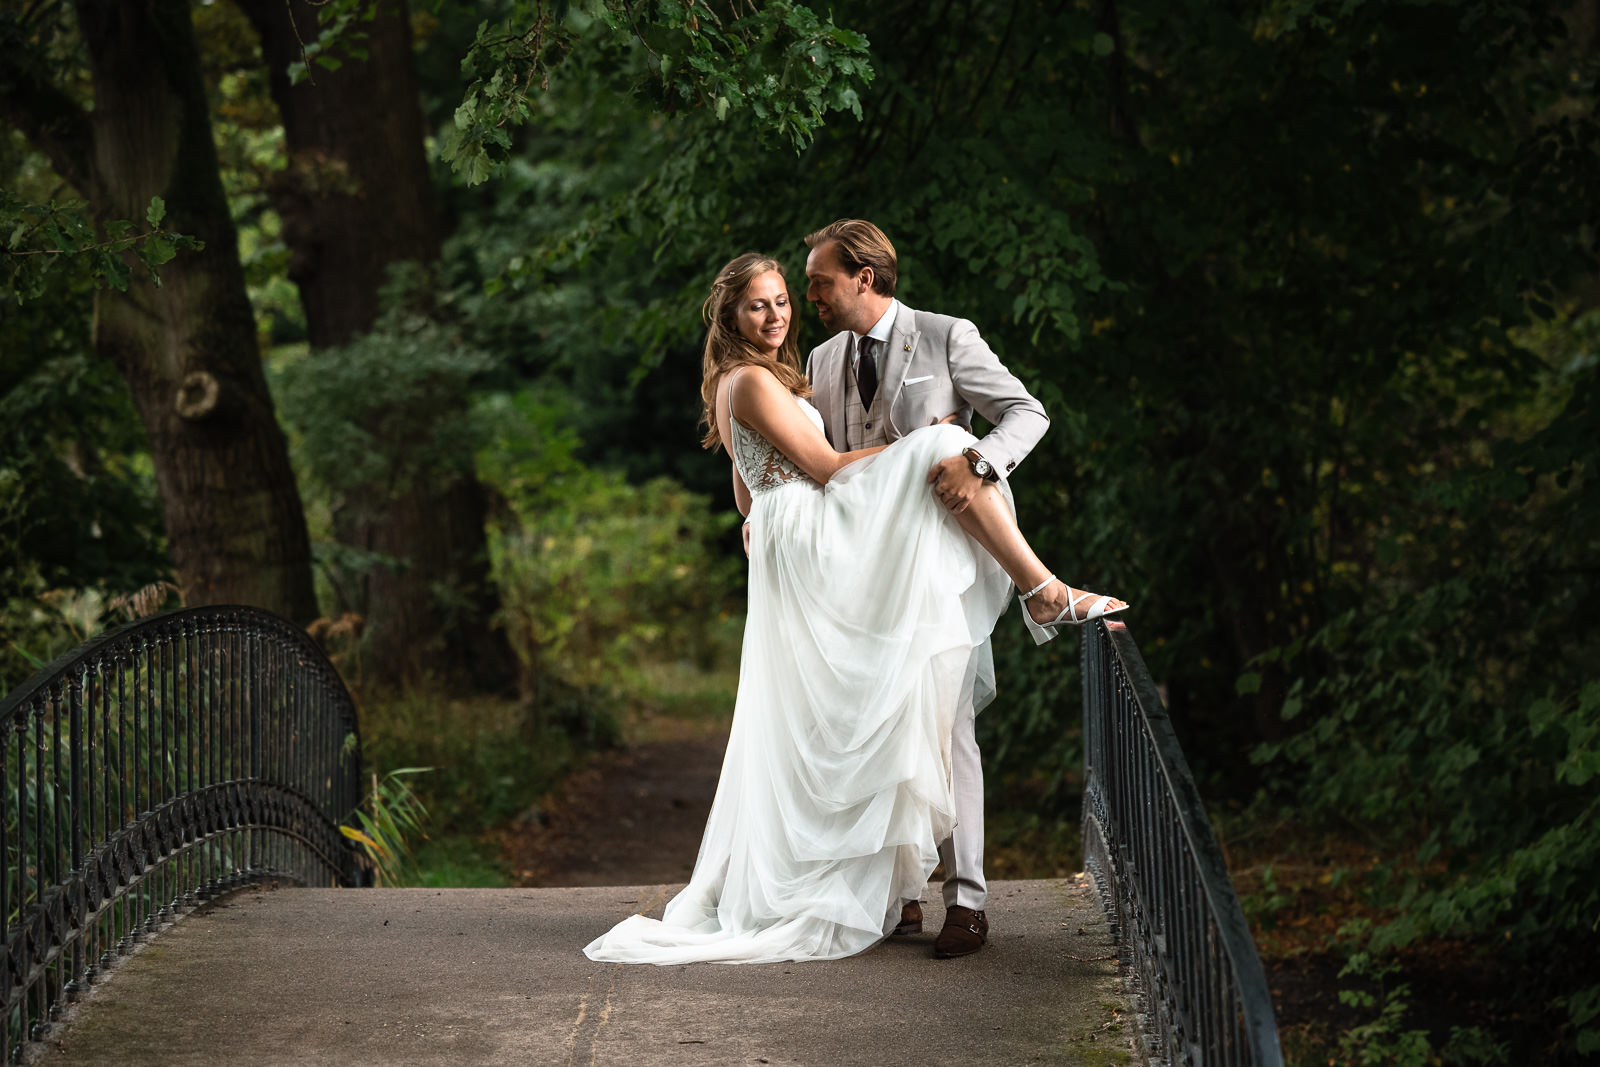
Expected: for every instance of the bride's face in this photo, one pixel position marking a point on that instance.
(763, 312)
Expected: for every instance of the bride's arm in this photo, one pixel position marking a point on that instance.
(762, 403)
(741, 500)
(741, 494)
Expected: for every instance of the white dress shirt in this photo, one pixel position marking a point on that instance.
(879, 333)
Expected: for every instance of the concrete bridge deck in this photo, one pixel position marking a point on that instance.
(464, 976)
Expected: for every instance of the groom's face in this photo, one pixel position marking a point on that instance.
(837, 293)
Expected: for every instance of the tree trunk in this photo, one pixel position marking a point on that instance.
(357, 198)
(188, 347)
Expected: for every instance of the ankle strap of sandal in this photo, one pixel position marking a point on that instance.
(1036, 589)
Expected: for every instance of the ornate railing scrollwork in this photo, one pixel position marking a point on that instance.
(153, 768)
(1149, 845)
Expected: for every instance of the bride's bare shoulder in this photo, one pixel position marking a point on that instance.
(752, 384)
(752, 376)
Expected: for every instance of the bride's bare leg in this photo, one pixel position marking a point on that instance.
(992, 525)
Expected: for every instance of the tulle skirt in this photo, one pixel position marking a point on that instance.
(869, 611)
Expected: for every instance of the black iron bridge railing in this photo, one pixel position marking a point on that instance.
(156, 767)
(1149, 845)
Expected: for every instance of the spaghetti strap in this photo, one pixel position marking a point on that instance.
(731, 376)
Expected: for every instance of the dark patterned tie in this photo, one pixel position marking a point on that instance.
(866, 374)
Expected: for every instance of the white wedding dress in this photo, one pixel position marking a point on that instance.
(869, 610)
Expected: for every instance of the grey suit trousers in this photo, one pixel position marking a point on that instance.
(962, 852)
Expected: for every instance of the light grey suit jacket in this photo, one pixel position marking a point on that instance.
(934, 365)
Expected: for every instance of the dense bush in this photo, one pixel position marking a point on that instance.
(80, 525)
(595, 573)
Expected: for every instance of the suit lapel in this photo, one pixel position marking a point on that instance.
(896, 361)
(828, 384)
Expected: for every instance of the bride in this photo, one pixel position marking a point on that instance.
(868, 603)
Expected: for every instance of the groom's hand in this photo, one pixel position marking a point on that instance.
(954, 483)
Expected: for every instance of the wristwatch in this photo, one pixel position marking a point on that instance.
(980, 466)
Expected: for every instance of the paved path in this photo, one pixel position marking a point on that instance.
(465, 976)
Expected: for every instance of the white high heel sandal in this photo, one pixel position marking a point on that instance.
(1044, 631)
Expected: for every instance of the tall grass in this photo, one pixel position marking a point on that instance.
(488, 759)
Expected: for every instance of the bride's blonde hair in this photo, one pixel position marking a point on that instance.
(727, 348)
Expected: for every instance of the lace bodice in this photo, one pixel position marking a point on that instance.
(760, 464)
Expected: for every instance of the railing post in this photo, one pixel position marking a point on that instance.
(75, 796)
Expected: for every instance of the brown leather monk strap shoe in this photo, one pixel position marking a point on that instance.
(910, 919)
(964, 933)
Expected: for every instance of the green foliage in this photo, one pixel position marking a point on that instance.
(41, 237)
(595, 573)
(374, 419)
(79, 520)
(336, 37)
(1385, 1039)
(492, 758)
(392, 816)
(1457, 713)
(782, 62)
(253, 158)
(50, 246)
(1454, 715)
(1583, 1008)
(460, 863)
(389, 410)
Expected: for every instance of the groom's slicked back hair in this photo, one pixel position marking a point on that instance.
(861, 244)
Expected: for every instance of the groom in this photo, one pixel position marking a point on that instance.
(888, 370)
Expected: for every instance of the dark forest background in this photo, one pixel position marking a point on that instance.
(1310, 290)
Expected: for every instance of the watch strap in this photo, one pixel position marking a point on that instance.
(973, 458)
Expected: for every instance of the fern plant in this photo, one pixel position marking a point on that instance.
(390, 819)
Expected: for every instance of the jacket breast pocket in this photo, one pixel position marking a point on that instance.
(922, 400)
